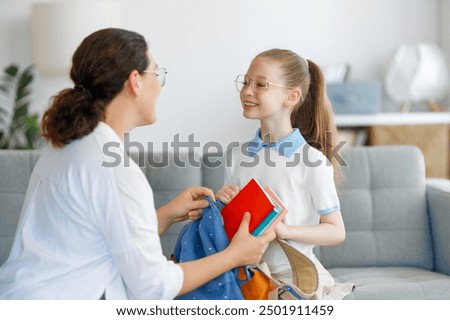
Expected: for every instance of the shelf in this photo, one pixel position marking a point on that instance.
(392, 119)
(430, 131)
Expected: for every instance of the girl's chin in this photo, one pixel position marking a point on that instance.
(249, 114)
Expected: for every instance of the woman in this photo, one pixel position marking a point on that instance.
(87, 230)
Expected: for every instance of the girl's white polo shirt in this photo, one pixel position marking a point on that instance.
(299, 174)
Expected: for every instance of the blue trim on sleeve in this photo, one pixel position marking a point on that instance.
(329, 210)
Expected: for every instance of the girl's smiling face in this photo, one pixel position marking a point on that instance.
(268, 102)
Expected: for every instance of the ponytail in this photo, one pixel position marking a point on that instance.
(314, 117)
(72, 115)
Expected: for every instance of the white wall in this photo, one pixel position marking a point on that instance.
(444, 32)
(205, 43)
(444, 21)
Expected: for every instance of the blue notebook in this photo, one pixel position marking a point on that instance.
(274, 217)
(262, 227)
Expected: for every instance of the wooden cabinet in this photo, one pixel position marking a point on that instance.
(429, 131)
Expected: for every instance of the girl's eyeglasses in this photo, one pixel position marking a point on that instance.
(258, 85)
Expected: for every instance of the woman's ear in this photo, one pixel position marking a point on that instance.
(293, 97)
(133, 82)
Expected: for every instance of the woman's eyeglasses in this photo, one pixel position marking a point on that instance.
(258, 85)
(160, 74)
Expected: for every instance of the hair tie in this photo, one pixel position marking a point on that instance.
(84, 90)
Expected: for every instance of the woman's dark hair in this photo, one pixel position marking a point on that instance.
(100, 67)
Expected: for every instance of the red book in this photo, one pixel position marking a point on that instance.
(251, 198)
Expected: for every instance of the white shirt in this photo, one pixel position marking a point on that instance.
(88, 229)
(299, 174)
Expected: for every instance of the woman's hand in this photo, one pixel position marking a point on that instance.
(227, 192)
(187, 205)
(246, 248)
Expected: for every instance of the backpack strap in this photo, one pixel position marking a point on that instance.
(304, 272)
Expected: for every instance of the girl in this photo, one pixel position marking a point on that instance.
(291, 153)
(88, 231)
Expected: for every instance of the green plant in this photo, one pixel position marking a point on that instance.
(18, 128)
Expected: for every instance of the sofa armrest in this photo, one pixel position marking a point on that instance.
(438, 198)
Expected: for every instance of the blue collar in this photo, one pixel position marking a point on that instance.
(286, 146)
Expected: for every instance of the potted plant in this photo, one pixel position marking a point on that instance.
(18, 128)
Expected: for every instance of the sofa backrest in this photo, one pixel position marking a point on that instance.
(15, 170)
(169, 174)
(383, 203)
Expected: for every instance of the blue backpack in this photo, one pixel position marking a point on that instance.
(199, 239)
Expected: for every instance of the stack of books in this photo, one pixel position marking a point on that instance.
(265, 208)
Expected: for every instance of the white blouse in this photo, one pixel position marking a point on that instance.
(88, 227)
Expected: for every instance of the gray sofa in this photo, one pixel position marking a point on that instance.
(397, 245)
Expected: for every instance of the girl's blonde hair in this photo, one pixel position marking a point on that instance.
(313, 114)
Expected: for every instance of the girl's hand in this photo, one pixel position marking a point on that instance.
(281, 230)
(227, 192)
(247, 249)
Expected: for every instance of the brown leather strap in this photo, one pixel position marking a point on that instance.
(304, 271)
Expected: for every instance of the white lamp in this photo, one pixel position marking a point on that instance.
(418, 73)
(58, 28)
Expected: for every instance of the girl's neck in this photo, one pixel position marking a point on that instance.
(272, 132)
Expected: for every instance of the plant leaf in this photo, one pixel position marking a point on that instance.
(20, 111)
(31, 129)
(12, 70)
(23, 131)
(24, 80)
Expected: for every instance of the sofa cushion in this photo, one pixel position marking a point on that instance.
(390, 283)
(213, 170)
(383, 204)
(169, 174)
(438, 195)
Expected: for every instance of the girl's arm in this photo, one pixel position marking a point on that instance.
(330, 231)
(244, 249)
